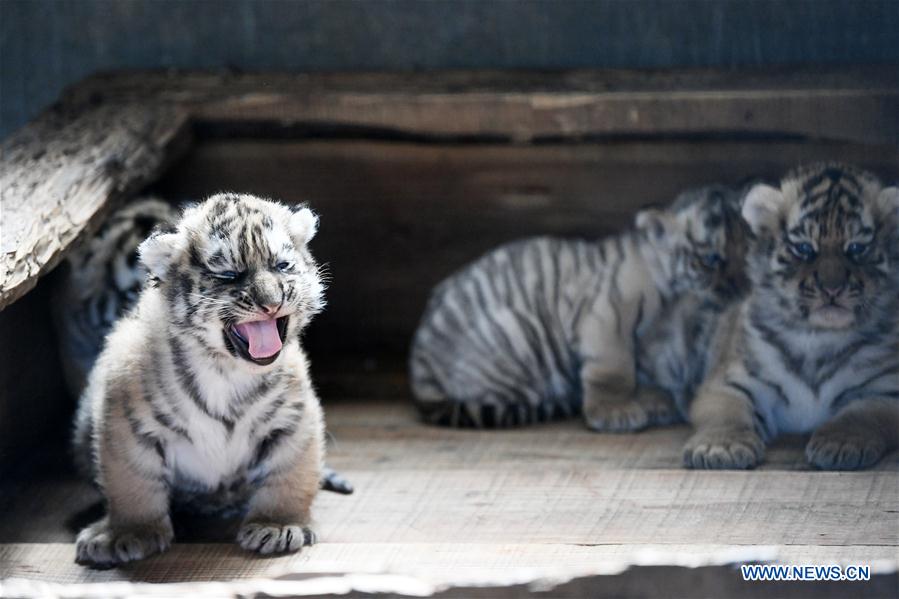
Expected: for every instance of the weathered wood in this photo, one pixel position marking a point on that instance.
(861, 105)
(113, 133)
(203, 86)
(456, 506)
(433, 564)
(59, 175)
(396, 218)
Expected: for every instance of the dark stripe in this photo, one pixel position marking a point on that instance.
(189, 385)
(845, 396)
(241, 402)
(144, 438)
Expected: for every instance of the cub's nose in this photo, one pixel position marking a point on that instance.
(270, 309)
(831, 277)
(832, 292)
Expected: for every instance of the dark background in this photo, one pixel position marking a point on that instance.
(48, 44)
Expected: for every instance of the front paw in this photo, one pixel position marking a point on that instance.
(101, 545)
(724, 448)
(844, 449)
(268, 537)
(616, 415)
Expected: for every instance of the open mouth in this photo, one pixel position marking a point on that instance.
(259, 341)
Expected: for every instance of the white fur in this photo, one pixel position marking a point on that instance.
(303, 226)
(888, 200)
(155, 428)
(761, 206)
(157, 252)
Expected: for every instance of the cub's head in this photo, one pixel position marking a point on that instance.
(700, 240)
(237, 275)
(827, 247)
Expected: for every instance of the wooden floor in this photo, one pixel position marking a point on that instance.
(451, 506)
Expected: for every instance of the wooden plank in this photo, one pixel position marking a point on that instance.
(201, 86)
(536, 497)
(412, 461)
(858, 115)
(112, 134)
(434, 563)
(59, 175)
(820, 103)
(396, 218)
(572, 504)
(379, 436)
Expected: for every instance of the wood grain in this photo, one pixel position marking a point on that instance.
(63, 172)
(414, 175)
(113, 133)
(860, 105)
(435, 563)
(455, 506)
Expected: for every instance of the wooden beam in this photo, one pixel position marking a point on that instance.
(860, 105)
(114, 133)
(60, 174)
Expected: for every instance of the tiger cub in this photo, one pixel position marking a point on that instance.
(815, 346)
(101, 281)
(201, 393)
(546, 328)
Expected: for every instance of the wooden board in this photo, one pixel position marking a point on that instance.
(459, 507)
(396, 218)
(414, 175)
(113, 133)
(430, 565)
(859, 104)
(63, 172)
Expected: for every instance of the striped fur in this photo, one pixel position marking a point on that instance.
(547, 328)
(102, 279)
(175, 409)
(815, 346)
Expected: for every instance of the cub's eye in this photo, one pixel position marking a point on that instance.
(284, 266)
(804, 250)
(856, 250)
(711, 260)
(227, 275)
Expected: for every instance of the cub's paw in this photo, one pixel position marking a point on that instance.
(102, 546)
(724, 448)
(616, 415)
(844, 449)
(268, 537)
(659, 405)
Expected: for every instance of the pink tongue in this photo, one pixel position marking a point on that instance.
(262, 335)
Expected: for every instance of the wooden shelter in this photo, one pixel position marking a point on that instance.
(414, 175)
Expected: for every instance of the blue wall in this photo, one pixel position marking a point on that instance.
(47, 44)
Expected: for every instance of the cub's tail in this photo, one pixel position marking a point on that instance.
(440, 402)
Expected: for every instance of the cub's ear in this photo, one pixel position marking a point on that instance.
(303, 224)
(761, 207)
(653, 221)
(888, 201)
(159, 251)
